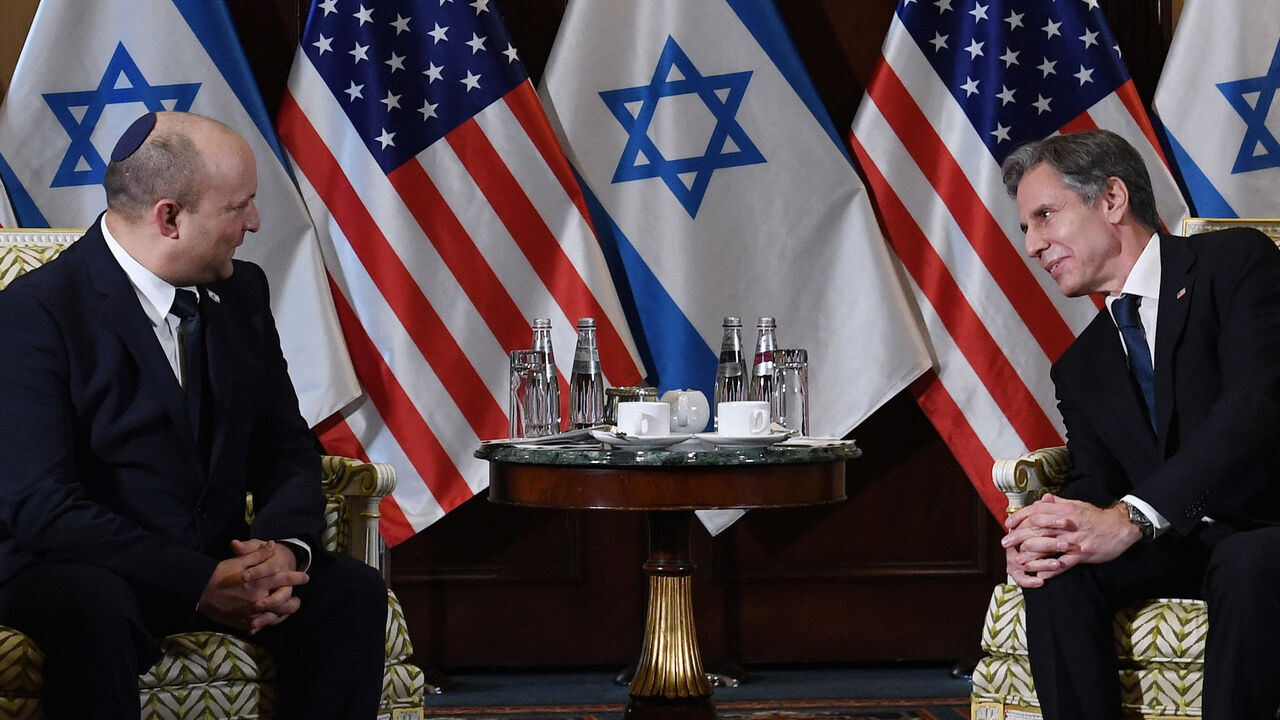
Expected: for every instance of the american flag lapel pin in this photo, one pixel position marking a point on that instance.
(1181, 292)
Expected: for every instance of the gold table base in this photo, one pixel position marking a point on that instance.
(670, 665)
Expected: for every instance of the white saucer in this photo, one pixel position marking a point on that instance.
(742, 441)
(638, 442)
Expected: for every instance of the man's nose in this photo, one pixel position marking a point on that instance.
(1034, 243)
(252, 220)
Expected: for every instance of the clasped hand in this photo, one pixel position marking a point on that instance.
(1054, 534)
(254, 588)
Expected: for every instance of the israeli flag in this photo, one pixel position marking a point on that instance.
(7, 218)
(1217, 98)
(721, 188)
(87, 71)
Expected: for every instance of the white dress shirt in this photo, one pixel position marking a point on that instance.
(156, 297)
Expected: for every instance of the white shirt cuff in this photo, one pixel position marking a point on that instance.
(304, 559)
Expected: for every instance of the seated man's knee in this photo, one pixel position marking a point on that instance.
(362, 589)
(77, 594)
(78, 609)
(1065, 588)
(371, 587)
(1245, 563)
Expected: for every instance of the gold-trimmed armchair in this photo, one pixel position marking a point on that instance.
(208, 674)
(1160, 643)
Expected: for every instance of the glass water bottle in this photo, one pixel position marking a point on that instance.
(542, 341)
(731, 373)
(586, 384)
(762, 366)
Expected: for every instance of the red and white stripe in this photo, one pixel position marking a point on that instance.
(437, 269)
(995, 320)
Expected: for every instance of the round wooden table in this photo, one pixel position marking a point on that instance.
(668, 486)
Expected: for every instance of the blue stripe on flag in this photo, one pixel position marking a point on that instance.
(1206, 201)
(211, 23)
(679, 358)
(24, 208)
(765, 24)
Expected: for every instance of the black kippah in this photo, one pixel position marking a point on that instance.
(133, 136)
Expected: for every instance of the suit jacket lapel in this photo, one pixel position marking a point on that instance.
(222, 348)
(121, 311)
(1177, 283)
(1111, 393)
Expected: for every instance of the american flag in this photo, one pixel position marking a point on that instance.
(449, 218)
(959, 85)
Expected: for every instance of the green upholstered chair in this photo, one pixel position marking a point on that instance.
(208, 674)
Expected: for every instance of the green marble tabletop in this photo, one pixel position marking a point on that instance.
(691, 452)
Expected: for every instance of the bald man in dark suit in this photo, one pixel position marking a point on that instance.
(129, 450)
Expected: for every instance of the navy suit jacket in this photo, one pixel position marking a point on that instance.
(101, 466)
(1216, 448)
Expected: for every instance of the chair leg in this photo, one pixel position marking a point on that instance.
(435, 682)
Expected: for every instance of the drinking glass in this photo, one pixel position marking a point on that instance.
(530, 407)
(790, 399)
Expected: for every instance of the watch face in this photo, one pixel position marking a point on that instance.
(1144, 524)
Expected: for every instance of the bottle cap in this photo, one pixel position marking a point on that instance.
(586, 323)
(732, 321)
(542, 322)
(766, 322)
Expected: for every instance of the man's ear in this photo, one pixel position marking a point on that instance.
(164, 215)
(1115, 199)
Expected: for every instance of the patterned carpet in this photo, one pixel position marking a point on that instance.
(878, 709)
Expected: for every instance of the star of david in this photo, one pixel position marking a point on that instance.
(122, 83)
(728, 145)
(1256, 135)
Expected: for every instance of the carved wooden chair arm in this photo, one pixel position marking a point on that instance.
(354, 489)
(1024, 479)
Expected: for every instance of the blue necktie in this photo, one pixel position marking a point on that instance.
(1125, 310)
(186, 307)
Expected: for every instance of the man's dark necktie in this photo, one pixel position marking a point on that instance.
(1125, 310)
(191, 352)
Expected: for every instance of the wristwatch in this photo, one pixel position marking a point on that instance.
(1142, 521)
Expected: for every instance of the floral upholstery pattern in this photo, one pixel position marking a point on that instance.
(209, 674)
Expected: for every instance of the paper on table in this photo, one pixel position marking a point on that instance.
(568, 437)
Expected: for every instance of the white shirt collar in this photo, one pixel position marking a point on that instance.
(155, 294)
(1144, 276)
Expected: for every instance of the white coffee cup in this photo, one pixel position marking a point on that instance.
(742, 418)
(690, 410)
(644, 419)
